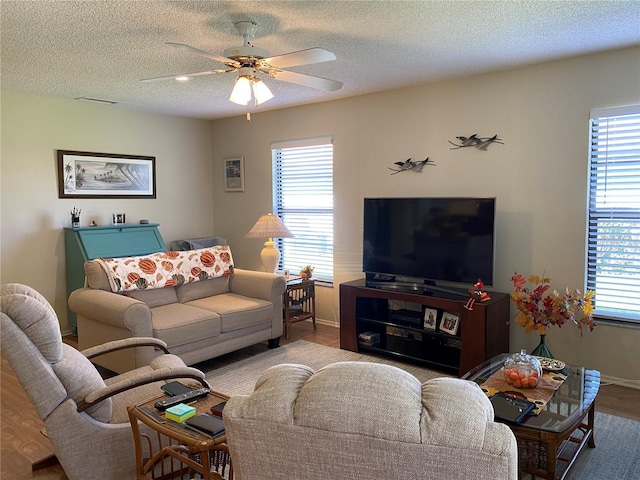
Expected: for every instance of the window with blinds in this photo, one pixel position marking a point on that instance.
(613, 237)
(303, 199)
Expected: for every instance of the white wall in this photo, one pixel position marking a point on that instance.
(33, 128)
(539, 176)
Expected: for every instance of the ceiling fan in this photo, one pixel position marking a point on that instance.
(248, 61)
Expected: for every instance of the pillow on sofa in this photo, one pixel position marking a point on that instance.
(156, 297)
(197, 290)
(96, 276)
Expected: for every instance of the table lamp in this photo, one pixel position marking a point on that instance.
(269, 226)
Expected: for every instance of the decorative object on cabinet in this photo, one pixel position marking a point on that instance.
(75, 217)
(481, 143)
(119, 218)
(234, 174)
(105, 175)
(89, 243)
(410, 166)
(476, 293)
(269, 226)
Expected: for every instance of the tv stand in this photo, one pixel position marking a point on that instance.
(367, 312)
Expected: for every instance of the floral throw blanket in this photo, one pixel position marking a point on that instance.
(167, 269)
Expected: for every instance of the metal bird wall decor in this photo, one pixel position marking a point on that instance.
(474, 141)
(410, 166)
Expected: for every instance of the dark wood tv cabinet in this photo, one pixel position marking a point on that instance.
(370, 321)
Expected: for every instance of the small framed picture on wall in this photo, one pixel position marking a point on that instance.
(234, 174)
(430, 319)
(449, 323)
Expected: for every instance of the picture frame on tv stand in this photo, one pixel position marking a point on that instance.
(430, 319)
(449, 323)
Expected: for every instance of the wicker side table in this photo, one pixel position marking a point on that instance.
(168, 450)
(299, 303)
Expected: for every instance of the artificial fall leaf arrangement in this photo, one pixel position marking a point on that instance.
(538, 311)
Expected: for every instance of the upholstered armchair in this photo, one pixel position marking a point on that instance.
(85, 416)
(358, 421)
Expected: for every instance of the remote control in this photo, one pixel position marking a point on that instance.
(182, 398)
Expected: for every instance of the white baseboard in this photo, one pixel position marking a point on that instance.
(329, 323)
(623, 382)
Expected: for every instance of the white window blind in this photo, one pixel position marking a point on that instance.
(303, 198)
(613, 237)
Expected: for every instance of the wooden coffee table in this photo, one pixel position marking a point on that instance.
(175, 450)
(549, 444)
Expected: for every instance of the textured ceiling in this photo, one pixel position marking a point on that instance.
(101, 49)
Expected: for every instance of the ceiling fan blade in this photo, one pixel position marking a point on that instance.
(197, 51)
(197, 74)
(308, 81)
(302, 57)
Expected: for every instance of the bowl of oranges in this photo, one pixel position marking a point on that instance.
(522, 370)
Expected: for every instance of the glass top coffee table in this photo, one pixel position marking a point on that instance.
(549, 443)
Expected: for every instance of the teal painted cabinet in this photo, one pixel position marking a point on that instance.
(88, 243)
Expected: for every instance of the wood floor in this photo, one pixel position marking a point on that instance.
(21, 442)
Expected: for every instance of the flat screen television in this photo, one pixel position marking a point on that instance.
(428, 240)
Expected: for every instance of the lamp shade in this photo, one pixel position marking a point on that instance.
(269, 226)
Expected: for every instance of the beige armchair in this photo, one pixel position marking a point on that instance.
(85, 416)
(360, 421)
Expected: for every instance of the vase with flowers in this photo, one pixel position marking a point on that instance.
(539, 308)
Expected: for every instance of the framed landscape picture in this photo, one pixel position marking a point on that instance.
(449, 323)
(234, 174)
(430, 319)
(105, 175)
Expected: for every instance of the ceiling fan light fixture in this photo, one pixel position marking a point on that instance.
(261, 92)
(241, 93)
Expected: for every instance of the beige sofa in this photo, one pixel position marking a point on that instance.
(197, 321)
(359, 421)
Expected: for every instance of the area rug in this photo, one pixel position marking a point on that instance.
(616, 454)
(617, 439)
(240, 377)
